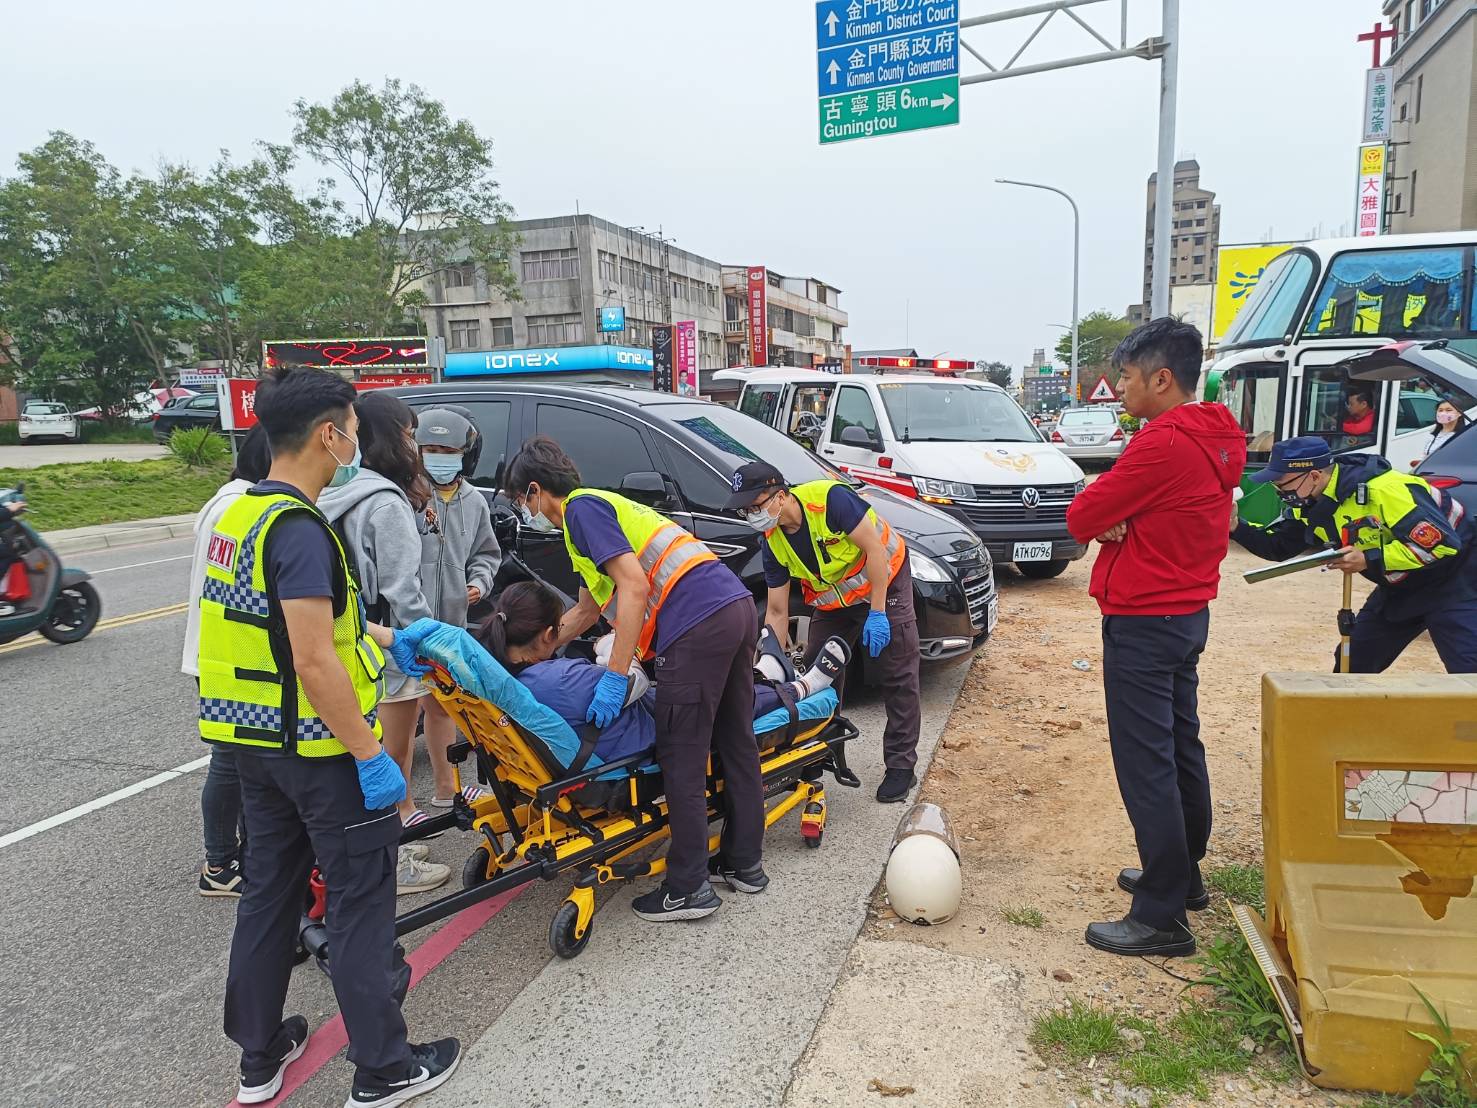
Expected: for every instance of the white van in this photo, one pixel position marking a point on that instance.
(963, 446)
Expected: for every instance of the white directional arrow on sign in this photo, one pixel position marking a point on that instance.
(831, 22)
(832, 70)
(942, 102)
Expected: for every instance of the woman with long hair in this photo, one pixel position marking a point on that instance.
(522, 633)
(1449, 420)
(375, 517)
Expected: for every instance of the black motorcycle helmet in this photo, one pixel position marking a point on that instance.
(473, 449)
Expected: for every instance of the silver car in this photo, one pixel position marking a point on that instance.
(1094, 433)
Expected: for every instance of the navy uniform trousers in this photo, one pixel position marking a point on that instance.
(296, 810)
(1150, 684)
(1377, 640)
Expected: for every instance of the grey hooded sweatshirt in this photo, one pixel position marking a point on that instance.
(384, 547)
(458, 549)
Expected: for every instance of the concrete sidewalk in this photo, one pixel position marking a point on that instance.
(104, 536)
(714, 1013)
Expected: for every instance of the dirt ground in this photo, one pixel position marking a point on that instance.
(1025, 773)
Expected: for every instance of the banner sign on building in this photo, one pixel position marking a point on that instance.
(686, 361)
(612, 319)
(1369, 209)
(662, 378)
(1378, 85)
(238, 394)
(400, 352)
(548, 359)
(758, 316)
(1238, 271)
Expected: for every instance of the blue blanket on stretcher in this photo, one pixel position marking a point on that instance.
(479, 673)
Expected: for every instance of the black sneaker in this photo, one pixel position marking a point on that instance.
(659, 904)
(260, 1086)
(226, 881)
(751, 880)
(895, 786)
(431, 1065)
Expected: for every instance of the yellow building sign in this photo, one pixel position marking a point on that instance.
(1239, 269)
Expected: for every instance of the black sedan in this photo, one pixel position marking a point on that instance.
(184, 412)
(676, 455)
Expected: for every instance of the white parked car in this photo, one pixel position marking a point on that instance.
(46, 419)
(1089, 433)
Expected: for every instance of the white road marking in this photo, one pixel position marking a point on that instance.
(140, 565)
(101, 802)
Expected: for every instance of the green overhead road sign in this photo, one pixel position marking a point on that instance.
(884, 111)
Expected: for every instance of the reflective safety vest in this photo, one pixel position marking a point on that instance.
(843, 579)
(245, 658)
(666, 552)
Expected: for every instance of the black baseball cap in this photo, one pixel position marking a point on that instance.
(752, 481)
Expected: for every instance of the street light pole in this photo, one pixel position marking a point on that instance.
(1076, 266)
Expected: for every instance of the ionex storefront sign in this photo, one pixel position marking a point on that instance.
(551, 359)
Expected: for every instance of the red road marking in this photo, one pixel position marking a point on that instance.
(325, 1043)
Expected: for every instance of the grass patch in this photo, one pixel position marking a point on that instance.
(124, 432)
(84, 493)
(1177, 1056)
(198, 447)
(1022, 916)
(1079, 1032)
(1241, 884)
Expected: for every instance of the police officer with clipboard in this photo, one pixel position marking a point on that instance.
(853, 572)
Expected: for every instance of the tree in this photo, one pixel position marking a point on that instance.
(1098, 335)
(423, 187)
(998, 373)
(87, 321)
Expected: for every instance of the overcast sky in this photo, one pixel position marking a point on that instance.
(701, 117)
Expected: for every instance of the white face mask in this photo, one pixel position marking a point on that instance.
(535, 522)
(764, 519)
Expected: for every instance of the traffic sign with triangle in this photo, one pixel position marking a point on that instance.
(1102, 391)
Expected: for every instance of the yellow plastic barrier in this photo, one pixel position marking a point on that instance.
(1369, 820)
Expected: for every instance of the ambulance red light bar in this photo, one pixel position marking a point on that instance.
(934, 365)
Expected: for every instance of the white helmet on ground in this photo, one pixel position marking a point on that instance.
(924, 884)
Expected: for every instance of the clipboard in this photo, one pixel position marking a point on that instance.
(1292, 565)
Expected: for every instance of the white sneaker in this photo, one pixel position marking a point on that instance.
(419, 851)
(415, 876)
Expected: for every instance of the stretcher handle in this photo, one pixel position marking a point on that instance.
(550, 793)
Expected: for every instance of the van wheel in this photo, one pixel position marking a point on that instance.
(1040, 571)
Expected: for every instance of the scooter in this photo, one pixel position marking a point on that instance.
(47, 597)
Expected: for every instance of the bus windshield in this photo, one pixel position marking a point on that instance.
(1393, 293)
(1271, 311)
(950, 411)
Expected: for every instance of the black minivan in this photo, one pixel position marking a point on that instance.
(676, 454)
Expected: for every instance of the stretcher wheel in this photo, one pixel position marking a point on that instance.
(813, 824)
(561, 931)
(474, 872)
(812, 836)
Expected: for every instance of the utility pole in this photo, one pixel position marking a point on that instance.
(1164, 183)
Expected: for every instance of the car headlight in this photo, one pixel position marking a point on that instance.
(1079, 486)
(926, 569)
(946, 491)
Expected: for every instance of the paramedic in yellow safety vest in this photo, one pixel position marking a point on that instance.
(853, 572)
(1413, 541)
(670, 599)
(289, 680)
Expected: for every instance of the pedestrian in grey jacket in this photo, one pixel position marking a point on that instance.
(376, 515)
(459, 559)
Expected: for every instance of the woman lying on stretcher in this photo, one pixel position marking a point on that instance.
(523, 629)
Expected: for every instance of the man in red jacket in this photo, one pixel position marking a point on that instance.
(1160, 514)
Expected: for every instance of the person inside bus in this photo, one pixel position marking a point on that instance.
(1449, 420)
(1359, 411)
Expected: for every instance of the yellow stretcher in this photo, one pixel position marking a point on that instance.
(540, 821)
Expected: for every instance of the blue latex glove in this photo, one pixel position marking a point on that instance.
(609, 699)
(876, 633)
(405, 644)
(381, 781)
